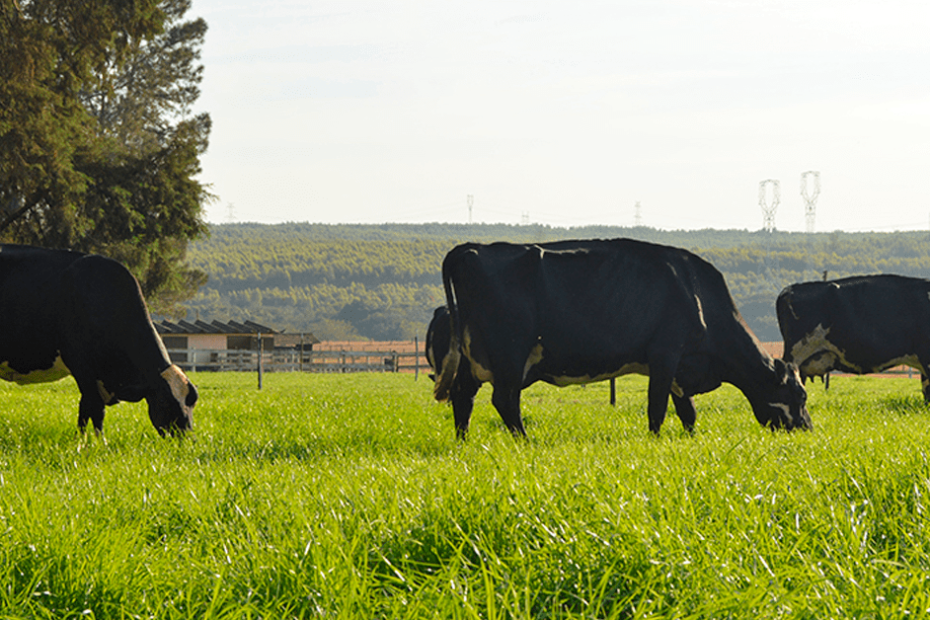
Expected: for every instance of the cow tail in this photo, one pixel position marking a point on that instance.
(450, 362)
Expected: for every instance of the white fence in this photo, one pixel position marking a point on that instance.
(292, 360)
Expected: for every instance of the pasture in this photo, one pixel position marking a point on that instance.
(347, 497)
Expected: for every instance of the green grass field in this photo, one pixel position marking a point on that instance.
(348, 497)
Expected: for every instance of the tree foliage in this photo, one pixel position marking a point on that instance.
(98, 147)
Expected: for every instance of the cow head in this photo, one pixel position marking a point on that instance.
(437, 340)
(783, 405)
(171, 404)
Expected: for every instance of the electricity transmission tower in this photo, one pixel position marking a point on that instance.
(471, 201)
(810, 200)
(770, 258)
(768, 210)
(638, 216)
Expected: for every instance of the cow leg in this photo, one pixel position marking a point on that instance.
(90, 408)
(684, 407)
(463, 401)
(661, 375)
(658, 403)
(506, 399)
(923, 363)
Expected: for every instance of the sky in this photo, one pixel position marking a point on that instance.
(568, 112)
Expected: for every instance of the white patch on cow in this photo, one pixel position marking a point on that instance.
(429, 358)
(108, 397)
(904, 360)
(785, 408)
(177, 381)
(161, 343)
(820, 365)
(809, 345)
(477, 370)
(57, 371)
(535, 356)
(816, 355)
(700, 311)
(626, 369)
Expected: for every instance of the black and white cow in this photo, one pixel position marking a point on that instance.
(66, 313)
(860, 325)
(582, 311)
(465, 386)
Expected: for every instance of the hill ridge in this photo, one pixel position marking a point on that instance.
(382, 281)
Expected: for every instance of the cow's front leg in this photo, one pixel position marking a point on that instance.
(463, 401)
(661, 375)
(91, 408)
(506, 399)
(684, 407)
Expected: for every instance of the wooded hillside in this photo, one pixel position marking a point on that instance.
(382, 282)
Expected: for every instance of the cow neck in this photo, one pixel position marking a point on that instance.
(749, 367)
(146, 352)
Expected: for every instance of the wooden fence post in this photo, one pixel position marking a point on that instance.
(261, 366)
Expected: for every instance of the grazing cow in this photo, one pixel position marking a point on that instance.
(859, 325)
(66, 313)
(582, 311)
(465, 386)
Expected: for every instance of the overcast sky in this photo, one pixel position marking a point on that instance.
(568, 112)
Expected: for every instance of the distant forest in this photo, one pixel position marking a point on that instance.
(382, 282)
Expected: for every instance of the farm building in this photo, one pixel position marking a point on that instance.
(233, 346)
(202, 344)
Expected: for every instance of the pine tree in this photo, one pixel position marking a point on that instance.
(99, 149)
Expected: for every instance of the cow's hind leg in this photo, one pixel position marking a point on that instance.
(506, 399)
(923, 366)
(684, 407)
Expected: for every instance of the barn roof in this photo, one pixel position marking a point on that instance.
(213, 327)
